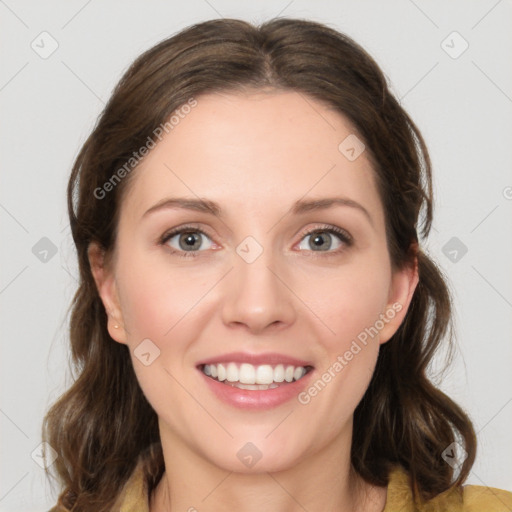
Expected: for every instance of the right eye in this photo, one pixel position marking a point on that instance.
(185, 241)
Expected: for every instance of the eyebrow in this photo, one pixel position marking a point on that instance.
(301, 206)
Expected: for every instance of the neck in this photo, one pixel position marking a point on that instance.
(323, 481)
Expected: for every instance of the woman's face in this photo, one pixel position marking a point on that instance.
(258, 282)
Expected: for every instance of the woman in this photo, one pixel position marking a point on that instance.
(255, 315)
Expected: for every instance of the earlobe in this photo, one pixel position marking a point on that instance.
(107, 290)
(404, 283)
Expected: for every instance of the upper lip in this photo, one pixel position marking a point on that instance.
(271, 358)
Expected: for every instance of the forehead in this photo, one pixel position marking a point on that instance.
(247, 149)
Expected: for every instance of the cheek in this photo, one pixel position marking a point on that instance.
(351, 300)
(156, 298)
(350, 305)
(162, 304)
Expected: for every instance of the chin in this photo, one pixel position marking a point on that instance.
(252, 457)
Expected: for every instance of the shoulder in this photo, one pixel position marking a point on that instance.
(471, 498)
(468, 498)
(478, 498)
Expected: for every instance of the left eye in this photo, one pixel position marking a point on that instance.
(322, 239)
(188, 240)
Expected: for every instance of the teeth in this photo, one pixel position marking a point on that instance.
(232, 372)
(279, 373)
(253, 387)
(221, 372)
(248, 376)
(264, 374)
(297, 373)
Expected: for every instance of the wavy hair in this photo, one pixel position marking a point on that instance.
(103, 423)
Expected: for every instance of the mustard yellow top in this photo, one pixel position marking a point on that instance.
(476, 498)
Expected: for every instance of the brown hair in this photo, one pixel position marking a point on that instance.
(103, 422)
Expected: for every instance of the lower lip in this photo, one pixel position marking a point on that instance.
(257, 399)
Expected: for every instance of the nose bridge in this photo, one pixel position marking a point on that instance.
(256, 295)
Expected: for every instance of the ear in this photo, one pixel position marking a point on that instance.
(107, 289)
(403, 285)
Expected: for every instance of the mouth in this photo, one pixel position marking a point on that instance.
(254, 377)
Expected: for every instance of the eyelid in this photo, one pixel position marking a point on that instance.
(344, 236)
(340, 232)
(178, 230)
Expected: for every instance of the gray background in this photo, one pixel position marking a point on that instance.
(462, 105)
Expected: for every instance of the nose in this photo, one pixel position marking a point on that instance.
(257, 296)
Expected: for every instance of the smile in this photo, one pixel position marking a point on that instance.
(254, 377)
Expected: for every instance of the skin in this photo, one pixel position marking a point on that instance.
(255, 154)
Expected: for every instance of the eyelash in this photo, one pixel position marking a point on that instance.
(340, 233)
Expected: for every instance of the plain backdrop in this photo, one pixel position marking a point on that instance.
(447, 62)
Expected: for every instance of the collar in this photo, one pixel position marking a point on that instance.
(135, 497)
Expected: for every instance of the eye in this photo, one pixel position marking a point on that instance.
(322, 239)
(185, 241)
